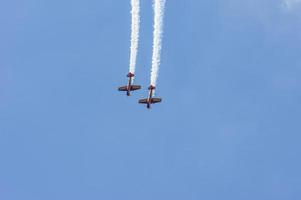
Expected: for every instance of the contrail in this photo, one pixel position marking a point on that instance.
(158, 6)
(135, 33)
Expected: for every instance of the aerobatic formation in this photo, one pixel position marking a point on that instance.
(158, 6)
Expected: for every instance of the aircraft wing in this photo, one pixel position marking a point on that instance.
(124, 88)
(144, 101)
(135, 87)
(156, 100)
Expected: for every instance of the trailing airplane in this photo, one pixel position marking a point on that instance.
(150, 100)
(129, 87)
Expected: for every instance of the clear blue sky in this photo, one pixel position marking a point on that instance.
(228, 128)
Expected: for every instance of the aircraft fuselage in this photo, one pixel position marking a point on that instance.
(128, 92)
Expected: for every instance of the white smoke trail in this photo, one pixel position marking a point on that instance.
(290, 4)
(158, 6)
(135, 33)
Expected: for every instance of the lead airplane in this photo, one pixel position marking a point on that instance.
(130, 87)
(150, 100)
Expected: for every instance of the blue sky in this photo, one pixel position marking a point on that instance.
(228, 127)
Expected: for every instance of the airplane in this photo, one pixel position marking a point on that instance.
(150, 100)
(128, 88)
